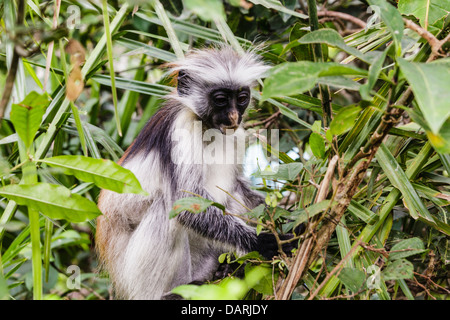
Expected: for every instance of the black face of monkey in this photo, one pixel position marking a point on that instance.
(218, 106)
(227, 107)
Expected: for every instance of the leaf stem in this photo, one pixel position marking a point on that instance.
(318, 57)
(109, 50)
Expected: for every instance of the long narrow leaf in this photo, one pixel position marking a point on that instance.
(399, 179)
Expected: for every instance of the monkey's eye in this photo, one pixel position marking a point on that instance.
(220, 100)
(243, 98)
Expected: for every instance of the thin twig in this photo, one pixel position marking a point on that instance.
(342, 15)
(434, 283)
(269, 119)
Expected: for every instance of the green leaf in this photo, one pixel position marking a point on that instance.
(276, 5)
(4, 292)
(440, 141)
(352, 278)
(429, 82)
(54, 201)
(257, 212)
(151, 89)
(26, 116)
(207, 10)
(362, 212)
(344, 119)
(398, 178)
(259, 278)
(393, 20)
(253, 255)
(291, 78)
(316, 126)
(334, 39)
(398, 269)
(162, 15)
(300, 51)
(411, 246)
(288, 171)
(302, 215)
(435, 10)
(374, 72)
(317, 145)
(104, 173)
(192, 204)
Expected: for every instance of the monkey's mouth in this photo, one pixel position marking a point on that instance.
(228, 129)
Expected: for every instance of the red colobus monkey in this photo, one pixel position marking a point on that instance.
(147, 254)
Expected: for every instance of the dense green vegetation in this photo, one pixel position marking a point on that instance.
(358, 90)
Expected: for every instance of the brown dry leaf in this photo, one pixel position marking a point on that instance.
(77, 52)
(75, 84)
(443, 196)
(246, 5)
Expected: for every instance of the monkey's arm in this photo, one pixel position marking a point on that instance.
(232, 231)
(251, 198)
(214, 225)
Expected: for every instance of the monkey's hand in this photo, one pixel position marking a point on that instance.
(267, 245)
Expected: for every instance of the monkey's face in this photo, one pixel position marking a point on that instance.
(227, 106)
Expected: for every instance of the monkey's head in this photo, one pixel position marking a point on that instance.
(215, 84)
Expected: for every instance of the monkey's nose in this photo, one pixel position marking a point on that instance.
(234, 118)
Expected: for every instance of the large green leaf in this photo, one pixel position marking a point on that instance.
(429, 82)
(26, 116)
(54, 201)
(291, 78)
(433, 10)
(104, 173)
(334, 39)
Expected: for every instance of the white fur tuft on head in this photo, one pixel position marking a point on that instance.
(221, 65)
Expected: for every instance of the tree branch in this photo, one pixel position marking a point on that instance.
(342, 15)
(434, 43)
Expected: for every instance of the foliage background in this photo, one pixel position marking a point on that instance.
(376, 96)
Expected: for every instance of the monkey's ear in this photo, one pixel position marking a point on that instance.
(183, 83)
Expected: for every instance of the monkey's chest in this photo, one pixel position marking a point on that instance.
(219, 181)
